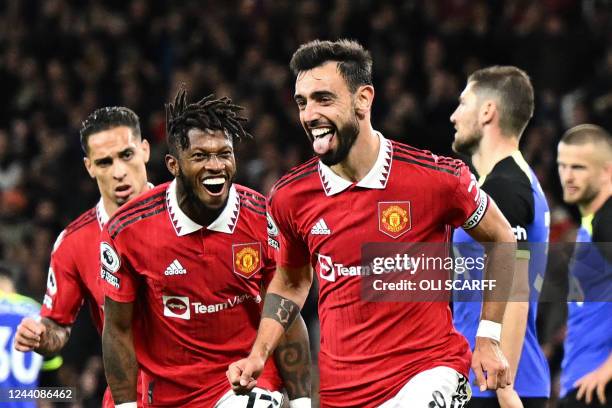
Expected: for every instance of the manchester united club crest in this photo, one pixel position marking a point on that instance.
(247, 259)
(394, 218)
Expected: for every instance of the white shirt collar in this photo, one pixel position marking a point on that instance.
(183, 225)
(101, 213)
(376, 178)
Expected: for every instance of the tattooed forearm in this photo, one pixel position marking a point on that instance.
(54, 339)
(120, 366)
(280, 309)
(118, 352)
(292, 358)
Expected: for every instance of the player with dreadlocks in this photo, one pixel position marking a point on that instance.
(183, 267)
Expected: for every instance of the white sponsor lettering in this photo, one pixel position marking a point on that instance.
(175, 268)
(320, 228)
(328, 270)
(110, 278)
(181, 307)
(520, 233)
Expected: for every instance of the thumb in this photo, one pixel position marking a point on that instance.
(480, 377)
(247, 375)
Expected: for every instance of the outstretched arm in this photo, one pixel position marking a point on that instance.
(488, 357)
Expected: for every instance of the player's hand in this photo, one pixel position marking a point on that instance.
(243, 374)
(29, 334)
(490, 365)
(508, 398)
(595, 381)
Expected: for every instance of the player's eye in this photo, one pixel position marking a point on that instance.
(225, 155)
(127, 155)
(104, 163)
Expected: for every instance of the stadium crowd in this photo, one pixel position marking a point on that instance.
(62, 59)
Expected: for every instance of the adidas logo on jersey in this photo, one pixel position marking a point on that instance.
(320, 228)
(175, 268)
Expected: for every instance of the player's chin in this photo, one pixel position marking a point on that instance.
(214, 199)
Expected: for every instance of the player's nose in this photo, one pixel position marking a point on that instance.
(310, 113)
(119, 170)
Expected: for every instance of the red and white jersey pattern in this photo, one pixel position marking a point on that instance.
(196, 291)
(74, 270)
(370, 350)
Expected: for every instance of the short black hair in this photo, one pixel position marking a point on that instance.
(108, 118)
(514, 92)
(354, 61)
(207, 113)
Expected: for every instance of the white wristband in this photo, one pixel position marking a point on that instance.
(489, 329)
(300, 403)
(127, 405)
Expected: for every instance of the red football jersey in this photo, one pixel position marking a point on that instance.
(196, 291)
(369, 350)
(74, 271)
(74, 274)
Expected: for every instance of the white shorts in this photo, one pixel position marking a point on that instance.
(439, 387)
(257, 398)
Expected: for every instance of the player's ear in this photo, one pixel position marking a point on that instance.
(488, 110)
(172, 165)
(363, 100)
(146, 150)
(88, 166)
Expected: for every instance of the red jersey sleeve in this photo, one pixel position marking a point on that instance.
(116, 273)
(468, 203)
(64, 295)
(269, 266)
(283, 238)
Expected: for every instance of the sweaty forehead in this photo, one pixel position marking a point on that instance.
(577, 153)
(324, 77)
(208, 139)
(111, 142)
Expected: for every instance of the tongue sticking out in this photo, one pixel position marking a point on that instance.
(321, 145)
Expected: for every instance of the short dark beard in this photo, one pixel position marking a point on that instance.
(346, 139)
(467, 147)
(193, 207)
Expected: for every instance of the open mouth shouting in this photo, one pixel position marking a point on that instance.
(123, 191)
(322, 139)
(214, 185)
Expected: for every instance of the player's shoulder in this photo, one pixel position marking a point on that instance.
(146, 205)
(302, 173)
(509, 170)
(86, 219)
(81, 230)
(406, 155)
(602, 223)
(251, 200)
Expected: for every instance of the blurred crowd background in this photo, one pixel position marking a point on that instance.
(61, 59)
